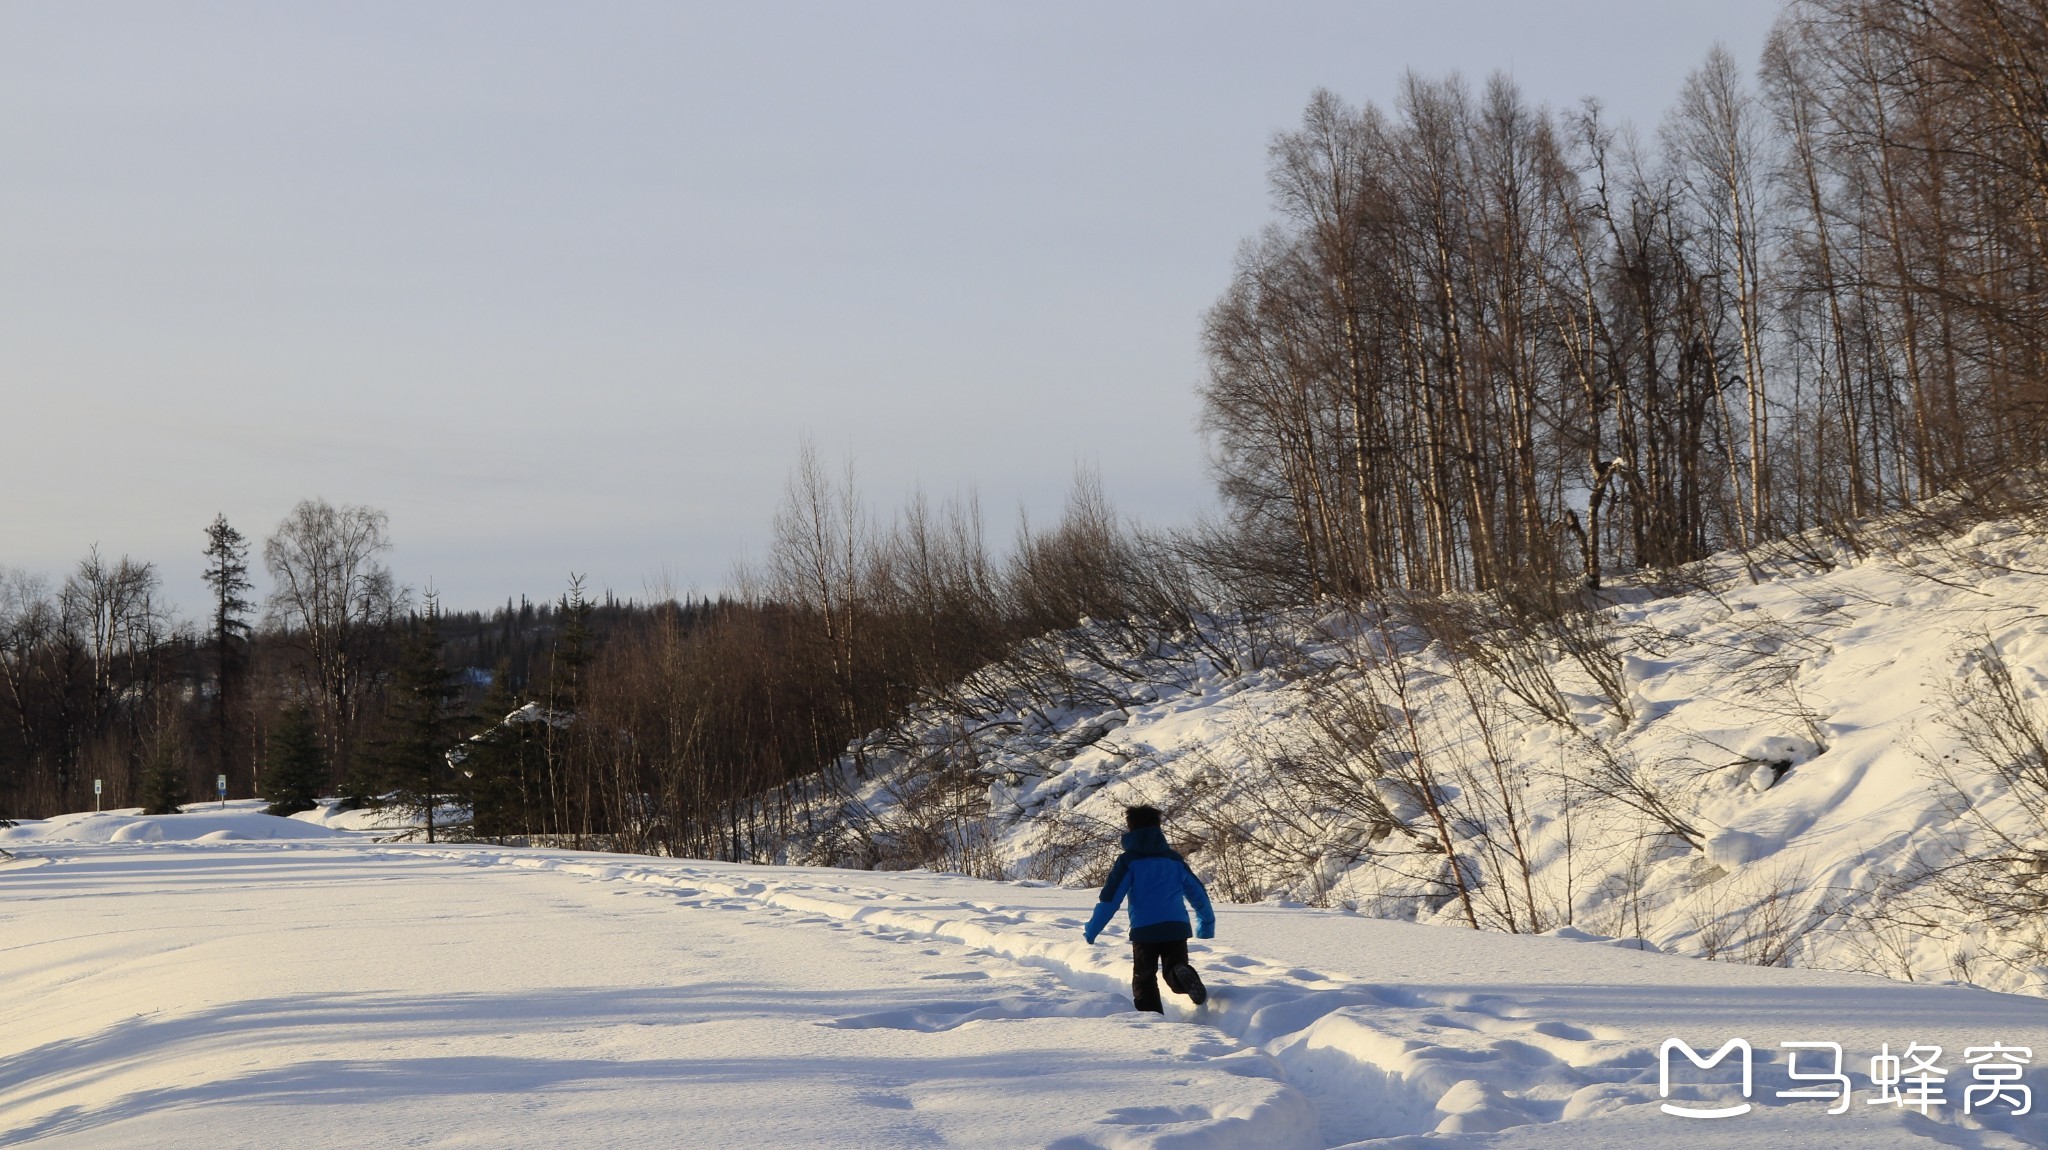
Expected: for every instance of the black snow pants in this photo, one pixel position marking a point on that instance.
(1146, 959)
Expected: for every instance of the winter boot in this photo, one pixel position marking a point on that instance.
(1184, 979)
(1145, 996)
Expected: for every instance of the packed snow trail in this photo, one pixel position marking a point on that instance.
(201, 995)
(1455, 1032)
(180, 993)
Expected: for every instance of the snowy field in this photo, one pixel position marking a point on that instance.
(225, 979)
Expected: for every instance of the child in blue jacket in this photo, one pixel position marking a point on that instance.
(1155, 879)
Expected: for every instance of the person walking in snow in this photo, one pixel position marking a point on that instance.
(1156, 880)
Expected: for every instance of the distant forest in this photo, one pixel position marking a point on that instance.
(1483, 346)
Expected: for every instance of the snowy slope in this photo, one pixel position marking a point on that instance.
(334, 991)
(1791, 710)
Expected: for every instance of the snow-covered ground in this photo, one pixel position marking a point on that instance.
(1794, 710)
(226, 979)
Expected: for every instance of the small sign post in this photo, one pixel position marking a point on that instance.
(96, 796)
(220, 783)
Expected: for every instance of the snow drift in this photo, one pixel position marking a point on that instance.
(1814, 756)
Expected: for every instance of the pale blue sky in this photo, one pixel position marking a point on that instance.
(561, 287)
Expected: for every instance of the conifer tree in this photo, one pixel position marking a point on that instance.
(572, 651)
(164, 786)
(565, 811)
(419, 721)
(227, 574)
(500, 769)
(362, 785)
(296, 769)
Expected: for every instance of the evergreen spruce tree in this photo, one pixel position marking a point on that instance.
(296, 769)
(499, 775)
(363, 784)
(419, 721)
(567, 665)
(227, 575)
(572, 651)
(164, 786)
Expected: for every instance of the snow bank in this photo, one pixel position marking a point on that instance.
(240, 821)
(366, 820)
(1791, 711)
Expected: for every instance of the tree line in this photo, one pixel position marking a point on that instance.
(1485, 340)
(101, 683)
(688, 726)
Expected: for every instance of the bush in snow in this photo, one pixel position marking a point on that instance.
(295, 768)
(164, 786)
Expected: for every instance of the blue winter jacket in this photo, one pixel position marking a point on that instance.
(1155, 880)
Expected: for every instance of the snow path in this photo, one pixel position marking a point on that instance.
(1568, 1031)
(205, 996)
(170, 993)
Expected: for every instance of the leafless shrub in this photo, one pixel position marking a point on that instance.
(1514, 649)
(937, 814)
(1778, 915)
(1757, 917)
(1510, 656)
(1384, 776)
(1614, 775)
(1495, 797)
(1290, 811)
(1967, 898)
(1995, 784)
(1896, 924)
(1623, 891)
(1228, 854)
(1069, 847)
